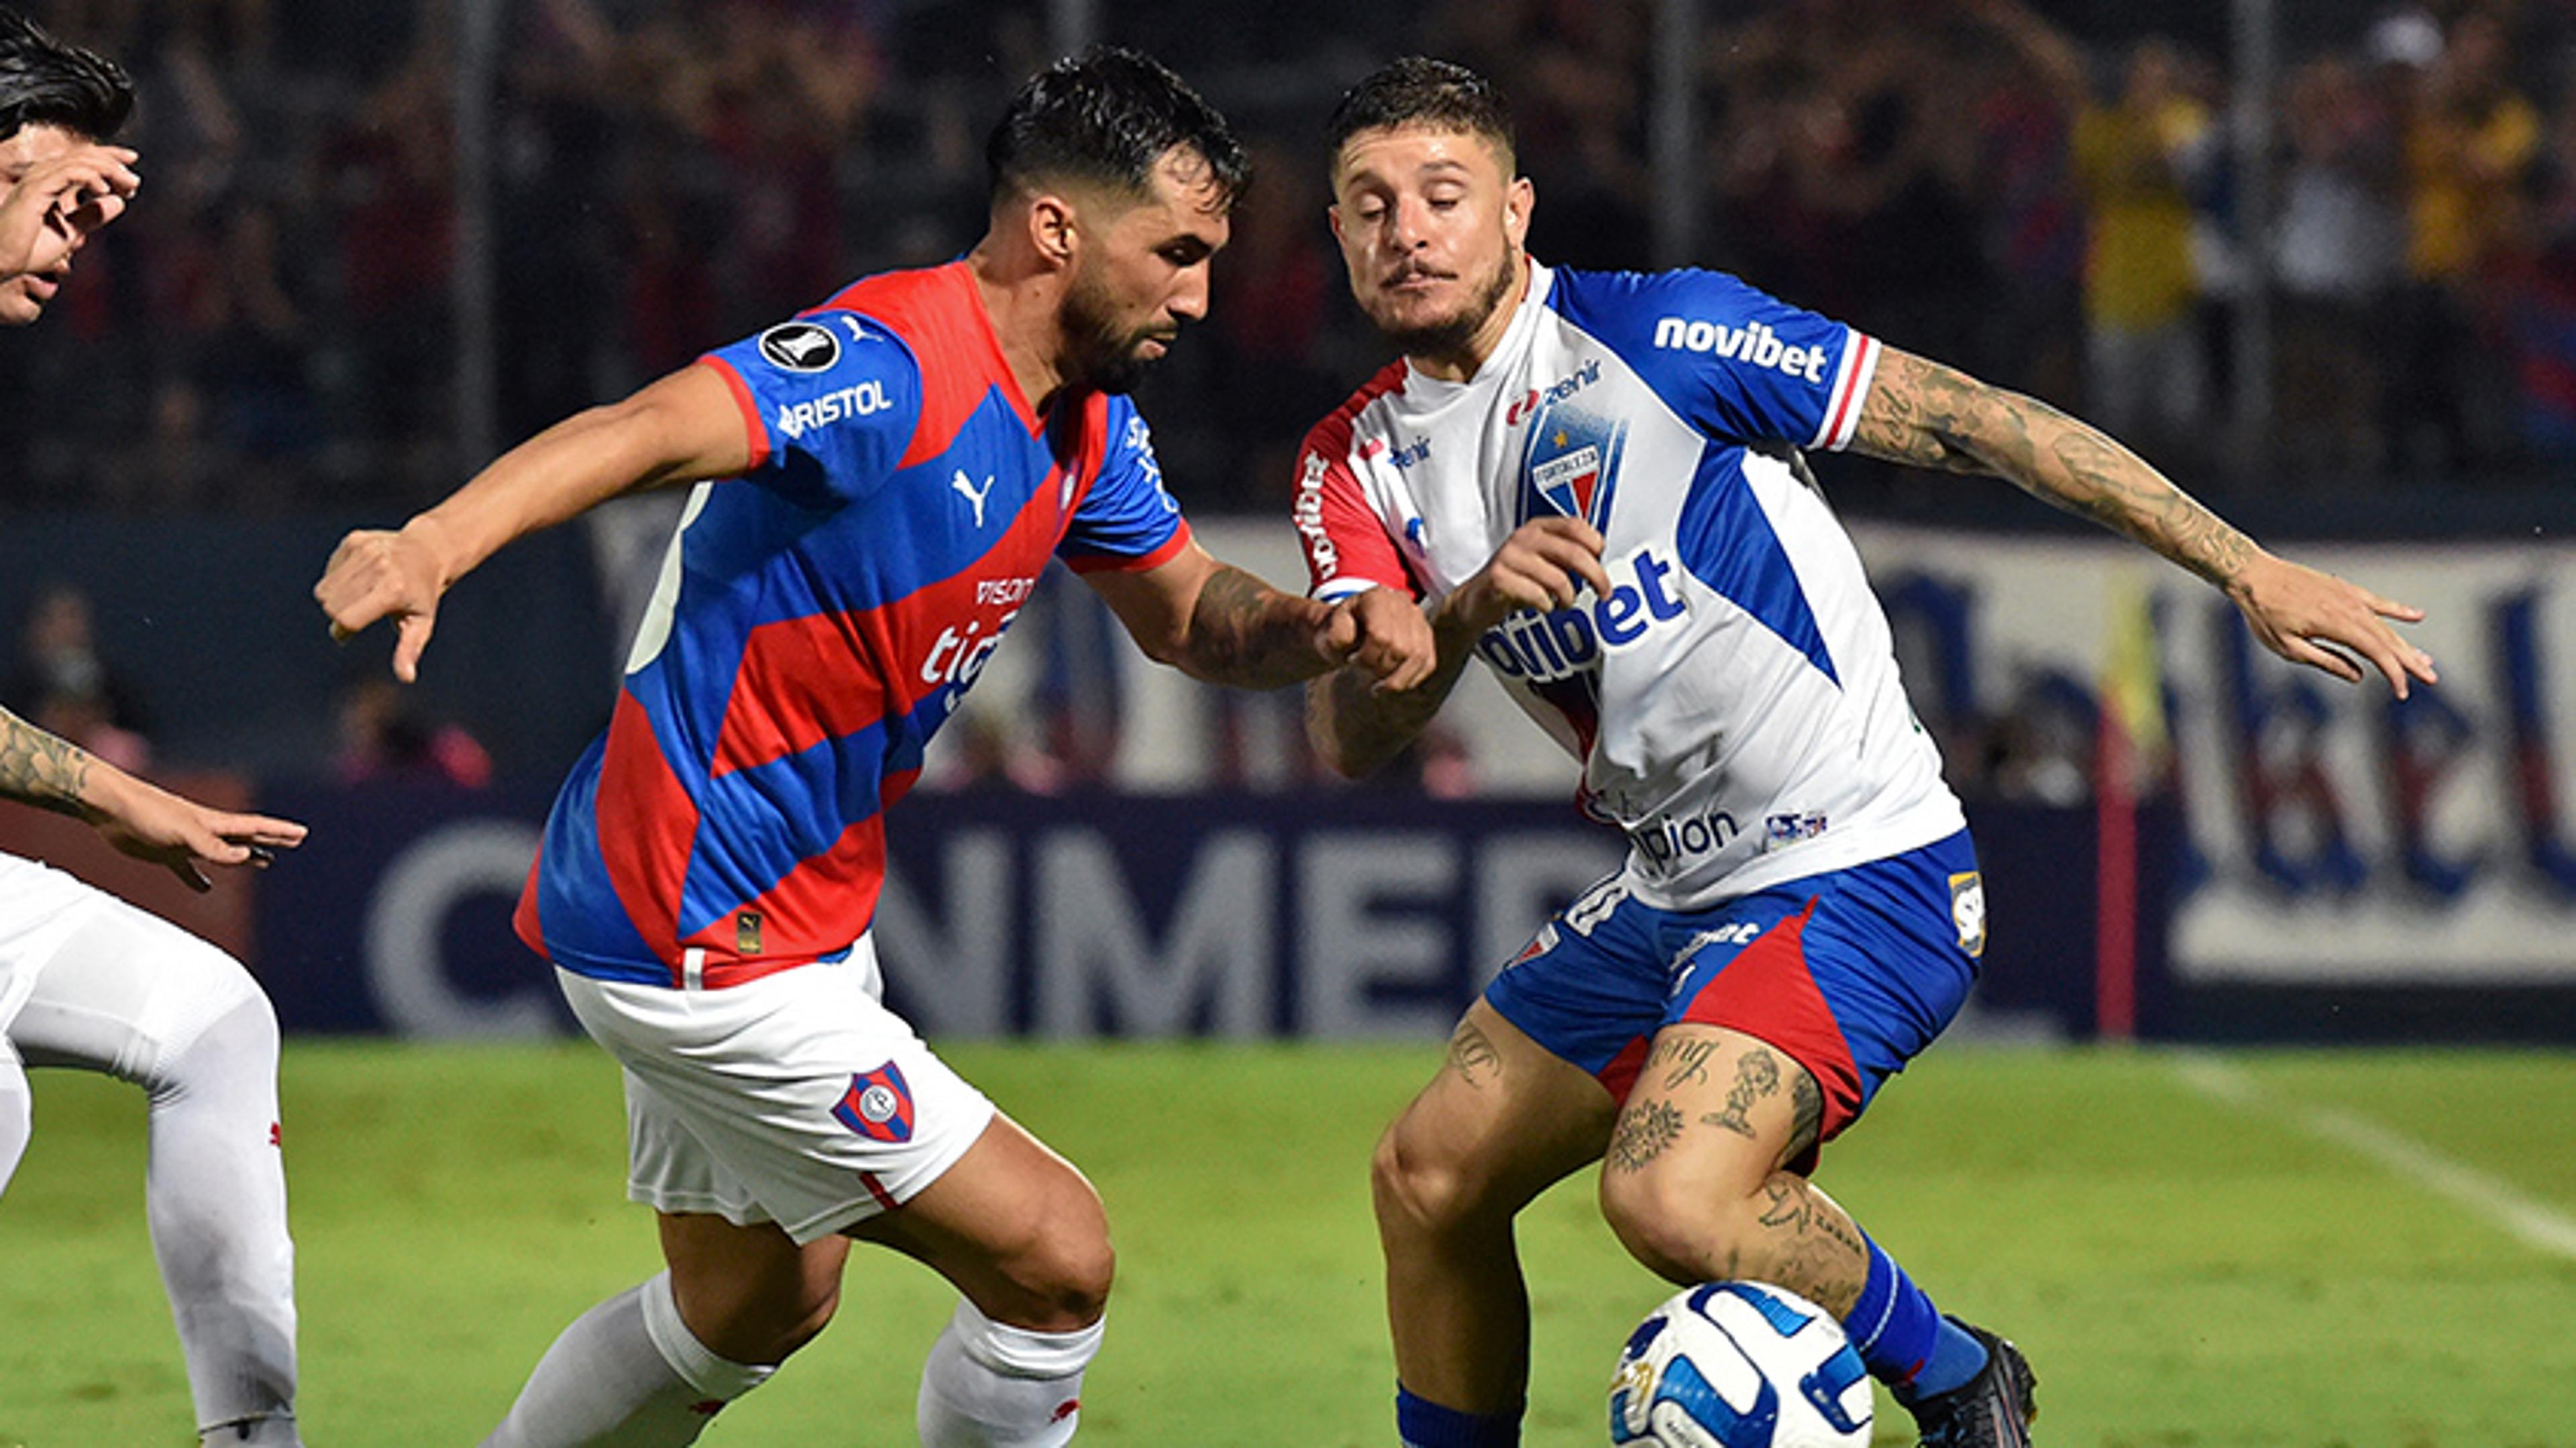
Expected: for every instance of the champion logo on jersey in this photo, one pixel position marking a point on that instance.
(878, 1105)
(800, 347)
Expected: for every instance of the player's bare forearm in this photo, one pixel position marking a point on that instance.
(40, 769)
(1356, 727)
(1247, 635)
(683, 428)
(1928, 415)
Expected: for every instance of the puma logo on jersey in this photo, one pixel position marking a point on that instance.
(1752, 342)
(966, 488)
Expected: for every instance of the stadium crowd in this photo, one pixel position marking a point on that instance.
(1964, 177)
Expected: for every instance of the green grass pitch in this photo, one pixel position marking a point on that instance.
(2184, 1272)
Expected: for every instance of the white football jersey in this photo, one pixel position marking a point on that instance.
(1734, 700)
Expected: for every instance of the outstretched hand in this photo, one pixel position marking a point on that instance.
(376, 575)
(2324, 622)
(56, 203)
(153, 824)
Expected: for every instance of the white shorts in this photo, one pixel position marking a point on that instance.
(796, 1098)
(40, 907)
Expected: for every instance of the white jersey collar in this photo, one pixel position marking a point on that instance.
(1434, 392)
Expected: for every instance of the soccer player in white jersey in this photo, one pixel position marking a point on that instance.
(86, 980)
(1592, 481)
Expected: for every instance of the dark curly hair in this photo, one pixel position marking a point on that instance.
(1107, 116)
(44, 82)
(1420, 91)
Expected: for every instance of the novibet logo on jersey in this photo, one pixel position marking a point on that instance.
(1753, 342)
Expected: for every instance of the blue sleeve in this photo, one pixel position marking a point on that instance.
(829, 401)
(1735, 362)
(1126, 519)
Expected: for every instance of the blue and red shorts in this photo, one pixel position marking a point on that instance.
(1850, 973)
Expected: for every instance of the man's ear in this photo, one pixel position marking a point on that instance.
(1052, 234)
(1519, 199)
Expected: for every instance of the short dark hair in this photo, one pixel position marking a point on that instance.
(44, 82)
(1421, 91)
(1108, 116)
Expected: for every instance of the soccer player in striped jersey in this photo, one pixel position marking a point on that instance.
(879, 483)
(1593, 482)
(86, 980)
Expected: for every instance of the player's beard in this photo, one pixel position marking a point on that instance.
(1102, 351)
(1449, 336)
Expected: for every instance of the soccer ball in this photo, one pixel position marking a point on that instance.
(1739, 1365)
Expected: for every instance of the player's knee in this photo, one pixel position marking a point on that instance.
(225, 1034)
(1059, 1276)
(1416, 1187)
(1673, 1226)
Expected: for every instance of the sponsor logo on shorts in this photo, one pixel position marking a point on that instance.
(878, 1105)
(1968, 911)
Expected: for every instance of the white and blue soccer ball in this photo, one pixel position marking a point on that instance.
(1740, 1365)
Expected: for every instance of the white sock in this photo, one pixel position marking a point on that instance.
(626, 1374)
(990, 1385)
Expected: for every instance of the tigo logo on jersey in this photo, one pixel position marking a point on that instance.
(878, 1105)
(800, 347)
(1753, 342)
(1543, 647)
(858, 400)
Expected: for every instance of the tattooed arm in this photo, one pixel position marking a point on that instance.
(1213, 621)
(1357, 724)
(1932, 416)
(37, 768)
(144, 821)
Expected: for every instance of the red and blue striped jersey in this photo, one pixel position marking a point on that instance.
(815, 621)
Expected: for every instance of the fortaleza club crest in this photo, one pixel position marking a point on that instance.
(1571, 466)
(878, 1105)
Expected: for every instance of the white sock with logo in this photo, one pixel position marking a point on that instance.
(991, 1385)
(626, 1374)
